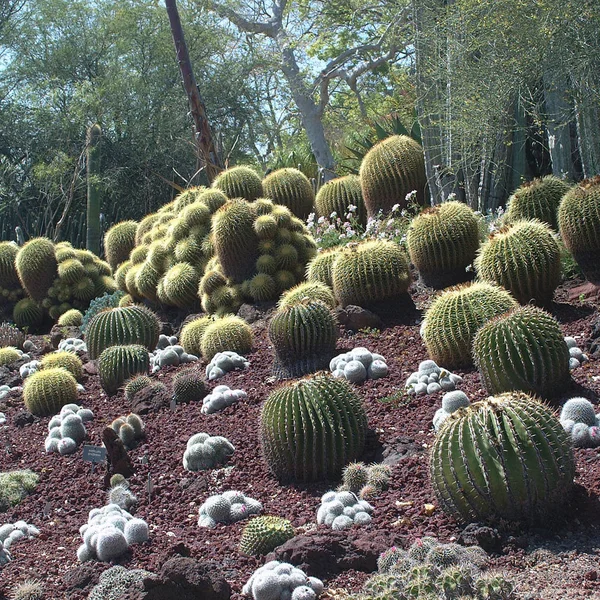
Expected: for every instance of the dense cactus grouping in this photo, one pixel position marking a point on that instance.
(338, 195)
(291, 188)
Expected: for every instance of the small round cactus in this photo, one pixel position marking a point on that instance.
(27, 313)
(227, 333)
(579, 410)
(291, 188)
(71, 318)
(118, 363)
(67, 360)
(206, 452)
(188, 386)
(263, 534)
(46, 392)
(37, 267)
(119, 241)
(135, 384)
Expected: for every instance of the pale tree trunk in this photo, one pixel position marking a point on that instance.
(588, 129)
(516, 153)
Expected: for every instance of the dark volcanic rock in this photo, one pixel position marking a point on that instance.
(357, 318)
(151, 399)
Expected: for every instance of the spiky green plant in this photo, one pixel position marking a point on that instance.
(290, 187)
(239, 182)
(368, 272)
(93, 146)
(191, 335)
(303, 336)
(9, 355)
(27, 313)
(264, 533)
(338, 194)
(71, 318)
(46, 391)
(313, 290)
(507, 457)
(9, 278)
(523, 258)
(227, 333)
(135, 384)
(14, 486)
(119, 241)
(524, 350)
(30, 589)
(119, 363)
(67, 360)
(189, 386)
(321, 266)
(180, 285)
(11, 336)
(311, 428)
(454, 317)
(106, 300)
(442, 242)
(37, 267)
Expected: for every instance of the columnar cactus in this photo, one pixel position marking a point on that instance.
(442, 242)
(239, 182)
(506, 457)
(118, 363)
(46, 392)
(524, 350)
(291, 188)
(263, 534)
(311, 428)
(337, 195)
(37, 267)
(119, 241)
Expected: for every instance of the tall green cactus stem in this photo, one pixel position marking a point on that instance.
(368, 272)
(522, 350)
(303, 336)
(117, 364)
(389, 171)
(27, 313)
(321, 266)
(37, 267)
(523, 258)
(313, 290)
(119, 241)
(579, 224)
(507, 457)
(311, 428)
(263, 534)
(227, 333)
(442, 242)
(122, 325)
(239, 182)
(94, 136)
(454, 317)
(291, 188)
(45, 392)
(338, 194)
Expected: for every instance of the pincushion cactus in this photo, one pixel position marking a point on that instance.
(282, 581)
(263, 534)
(358, 365)
(430, 379)
(130, 429)
(15, 485)
(365, 480)
(45, 392)
(451, 402)
(205, 452)
(224, 362)
(291, 188)
(579, 420)
(228, 507)
(221, 397)
(169, 353)
(341, 510)
(67, 429)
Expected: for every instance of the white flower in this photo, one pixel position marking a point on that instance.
(395, 208)
(321, 220)
(333, 215)
(351, 207)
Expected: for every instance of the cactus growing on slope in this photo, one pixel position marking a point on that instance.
(337, 195)
(37, 267)
(119, 241)
(227, 333)
(291, 188)
(263, 534)
(118, 363)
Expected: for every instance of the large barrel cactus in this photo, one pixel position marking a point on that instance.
(10, 286)
(119, 241)
(227, 333)
(454, 317)
(524, 350)
(117, 364)
(579, 224)
(523, 258)
(442, 242)
(37, 267)
(311, 428)
(389, 171)
(291, 188)
(45, 392)
(337, 195)
(239, 182)
(507, 457)
(312, 290)
(321, 266)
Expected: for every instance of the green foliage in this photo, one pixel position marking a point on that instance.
(239, 182)
(37, 267)
(291, 188)
(319, 269)
(14, 486)
(46, 391)
(337, 195)
(227, 333)
(263, 534)
(119, 363)
(107, 300)
(180, 285)
(119, 241)
(136, 384)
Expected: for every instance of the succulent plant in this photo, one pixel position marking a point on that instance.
(188, 385)
(9, 278)
(11, 336)
(371, 271)
(37, 267)
(107, 300)
(71, 318)
(119, 241)
(342, 509)
(118, 363)
(204, 452)
(454, 317)
(506, 457)
(227, 333)
(130, 429)
(303, 336)
(276, 580)
(239, 182)
(319, 269)
(192, 332)
(135, 384)
(291, 188)
(524, 350)
(337, 195)
(27, 313)
(311, 428)
(312, 290)
(9, 355)
(442, 242)
(67, 360)
(46, 392)
(263, 534)
(180, 285)
(524, 258)
(15, 485)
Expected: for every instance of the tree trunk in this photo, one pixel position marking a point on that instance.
(94, 134)
(588, 130)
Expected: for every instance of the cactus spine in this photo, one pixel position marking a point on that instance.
(239, 182)
(227, 333)
(47, 391)
(263, 534)
(337, 195)
(37, 267)
(119, 241)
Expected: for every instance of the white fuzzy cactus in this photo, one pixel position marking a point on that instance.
(282, 581)
(67, 429)
(430, 378)
(358, 365)
(228, 507)
(221, 397)
(205, 452)
(340, 510)
(224, 362)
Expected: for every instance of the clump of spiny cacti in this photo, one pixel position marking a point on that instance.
(30, 589)
(579, 420)
(341, 510)
(14, 486)
(239, 182)
(278, 580)
(221, 397)
(224, 362)
(169, 353)
(429, 378)
(130, 429)
(263, 534)
(228, 507)
(11, 336)
(364, 480)
(451, 402)
(358, 365)
(206, 452)
(67, 429)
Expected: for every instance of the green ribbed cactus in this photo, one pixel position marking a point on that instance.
(303, 336)
(227, 333)
(338, 194)
(180, 285)
(522, 350)
(188, 197)
(119, 241)
(71, 318)
(9, 355)
(189, 386)
(67, 360)
(523, 258)
(37, 267)
(135, 385)
(144, 227)
(191, 334)
(120, 326)
(9, 278)
(71, 270)
(263, 534)
(117, 364)
(442, 242)
(368, 272)
(321, 266)
(311, 428)
(239, 182)
(45, 392)
(507, 457)
(579, 224)
(538, 199)
(389, 171)
(27, 313)
(313, 290)
(291, 188)
(454, 317)
(214, 199)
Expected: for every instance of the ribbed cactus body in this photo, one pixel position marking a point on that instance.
(442, 242)
(312, 290)
(321, 266)
(37, 267)
(27, 313)
(227, 333)
(119, 241)
(122, 325)
(506, 457)
(181, 285)
(311, 428)
(9, 279)
(454, 317)
(263, 534)
(523, 258)
(67, 360)
(189, 386)
(117, 364)
(45, 392)
(369, 272)
(524, 350)
(291, 188)
(191, 334)
(337, 195)
(389, 171)
(239, 182)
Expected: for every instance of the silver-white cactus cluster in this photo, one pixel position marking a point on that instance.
(228, 507)
(223, 362)
(358, 365)
(579, 419)
(340, 510)
(67, 429)
(169, 353)
(282, 581)
(430, 378)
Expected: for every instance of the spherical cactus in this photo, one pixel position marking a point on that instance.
(9, 355)
(523, 258)
(135, 384)
(37, 267)
(67, 360)
(191, 334)
(579, 225)
(370, 271)
(181, 285)
(147, 279)
(120, 326)
(311, 290)
(119, 241)
(355, 476)
(442, 242)
(227, 333)
(45, 392)
(524, 350)
(291, 188)
(263, 534)
(454, 317)
(118, 363)
(506, 457)
(27, 313)
(578, 410)
(9, 278)
(71, 270)
(188, 386)
(321, 266)
(239, 182)
(303, 336)
(337, 195)
(71, 318)
(311, 428)
(389, 171)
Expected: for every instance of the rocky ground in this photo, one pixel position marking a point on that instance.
(557, 560)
